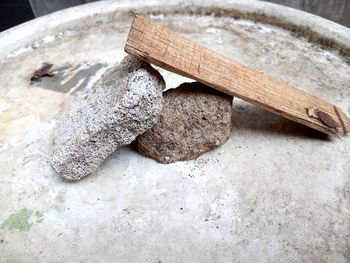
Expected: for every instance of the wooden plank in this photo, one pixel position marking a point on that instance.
(161, 46)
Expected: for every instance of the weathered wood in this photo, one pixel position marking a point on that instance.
(161, 46)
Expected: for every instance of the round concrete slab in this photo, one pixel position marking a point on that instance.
(275, 192)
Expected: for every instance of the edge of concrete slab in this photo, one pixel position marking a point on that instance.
(317, 29)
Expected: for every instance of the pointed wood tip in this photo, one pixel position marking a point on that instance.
(343, 119)
(134, 12)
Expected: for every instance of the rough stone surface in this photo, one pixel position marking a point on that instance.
(124, 103)
(195, 119)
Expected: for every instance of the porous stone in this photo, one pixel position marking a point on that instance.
(123, 104)
(195, 119)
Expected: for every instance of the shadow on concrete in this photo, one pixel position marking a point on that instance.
(249, 118)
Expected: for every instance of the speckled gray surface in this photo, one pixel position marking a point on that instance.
(274, 192)
(123, 104)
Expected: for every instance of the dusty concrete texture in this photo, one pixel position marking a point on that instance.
(195, 119)
(123, 104)
(275, 192)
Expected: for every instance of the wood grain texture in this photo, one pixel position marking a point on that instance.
(161, 46)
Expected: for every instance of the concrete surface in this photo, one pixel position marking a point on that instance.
(275, 192)
(335, 10)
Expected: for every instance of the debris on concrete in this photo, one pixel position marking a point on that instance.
(44, 71)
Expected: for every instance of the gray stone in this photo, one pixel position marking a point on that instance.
(124, 103)
(195, 119)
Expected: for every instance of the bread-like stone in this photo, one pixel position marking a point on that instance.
(195, 119)
(124, 103)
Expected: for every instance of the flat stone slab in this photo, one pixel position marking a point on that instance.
(195, 119)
